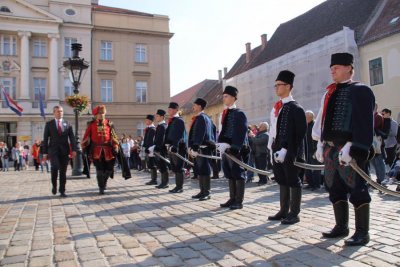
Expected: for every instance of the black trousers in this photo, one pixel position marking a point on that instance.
(390, 155)
(202, 166)
(161, 164)
(59, 164)
(261, 164)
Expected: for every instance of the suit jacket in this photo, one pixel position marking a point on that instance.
(175, 134)
(55, 144)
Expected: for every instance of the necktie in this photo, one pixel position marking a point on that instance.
(170, 120)
(224, 115)
(59, 127)
(278, 105)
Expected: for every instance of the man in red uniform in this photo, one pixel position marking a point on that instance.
(102, 144)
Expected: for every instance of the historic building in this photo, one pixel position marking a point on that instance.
(380, 56)
(128, 53)
(302, 45)
(130, 62)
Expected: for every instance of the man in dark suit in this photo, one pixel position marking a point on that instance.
(56, 146)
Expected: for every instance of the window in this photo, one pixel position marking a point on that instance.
(141, 53)
(67, 46)
(140, 129)
(68, 87)
(70, 12)
(9, 85)
(39, 90)
(106, 90)
(141, 91)
(39, 48)
(106, 50)
(375, 71)
(8, 45)
(5, 9)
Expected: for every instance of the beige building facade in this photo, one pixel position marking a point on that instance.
(128, 53)
(33, 46)
(130, 65)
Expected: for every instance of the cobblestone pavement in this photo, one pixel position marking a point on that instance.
(138, 225)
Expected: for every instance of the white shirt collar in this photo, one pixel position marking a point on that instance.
(176, 115)
(231, 107)
(200, 113)
(151, 125)
(287, 99)
(347, 81)
(161, 122)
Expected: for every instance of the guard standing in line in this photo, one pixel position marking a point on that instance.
(200, 135)
(102, 143)
(175, 139)
(148, 141)
(287, 137)
(344, 130)
(159, 147)
(233, 140)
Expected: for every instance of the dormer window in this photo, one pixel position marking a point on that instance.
(70, 12)
(5, 9)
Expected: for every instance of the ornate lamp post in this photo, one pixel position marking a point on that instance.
(76, 67)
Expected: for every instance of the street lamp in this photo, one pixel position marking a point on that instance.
(77, 68)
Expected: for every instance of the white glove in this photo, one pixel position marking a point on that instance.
(222, 147)
(344, 154)
(280, 155)
(151, 150)
(319, 154)
(193, 153)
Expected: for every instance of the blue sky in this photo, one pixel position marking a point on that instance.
(211, 34)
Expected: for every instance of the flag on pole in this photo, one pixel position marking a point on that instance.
(41, 105)
(10, 102)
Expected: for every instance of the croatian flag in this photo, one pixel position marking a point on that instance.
(10, 102)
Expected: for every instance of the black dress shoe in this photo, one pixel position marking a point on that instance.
(101, 191)
(176, 190)
(199, 195)
(236, 206)
(151, 183)
(54, 191)
(63, 195)
(290, 219)
(203, 198)
(277, 217)
(162, 186)
(226, 204)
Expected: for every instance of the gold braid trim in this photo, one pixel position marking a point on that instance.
(114, 137)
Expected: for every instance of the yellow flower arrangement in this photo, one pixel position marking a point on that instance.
(78, 102)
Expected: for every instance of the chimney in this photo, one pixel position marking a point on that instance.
(220, 75)
(225, 71)
(248, 52)
(263, 40)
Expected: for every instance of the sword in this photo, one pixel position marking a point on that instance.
(365, 176)
(161, 157)
(184, 159)
(209, 156)
(248, 167)
(353, 164)
(309, 166)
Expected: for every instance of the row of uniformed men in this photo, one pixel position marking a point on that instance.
(343, 129)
